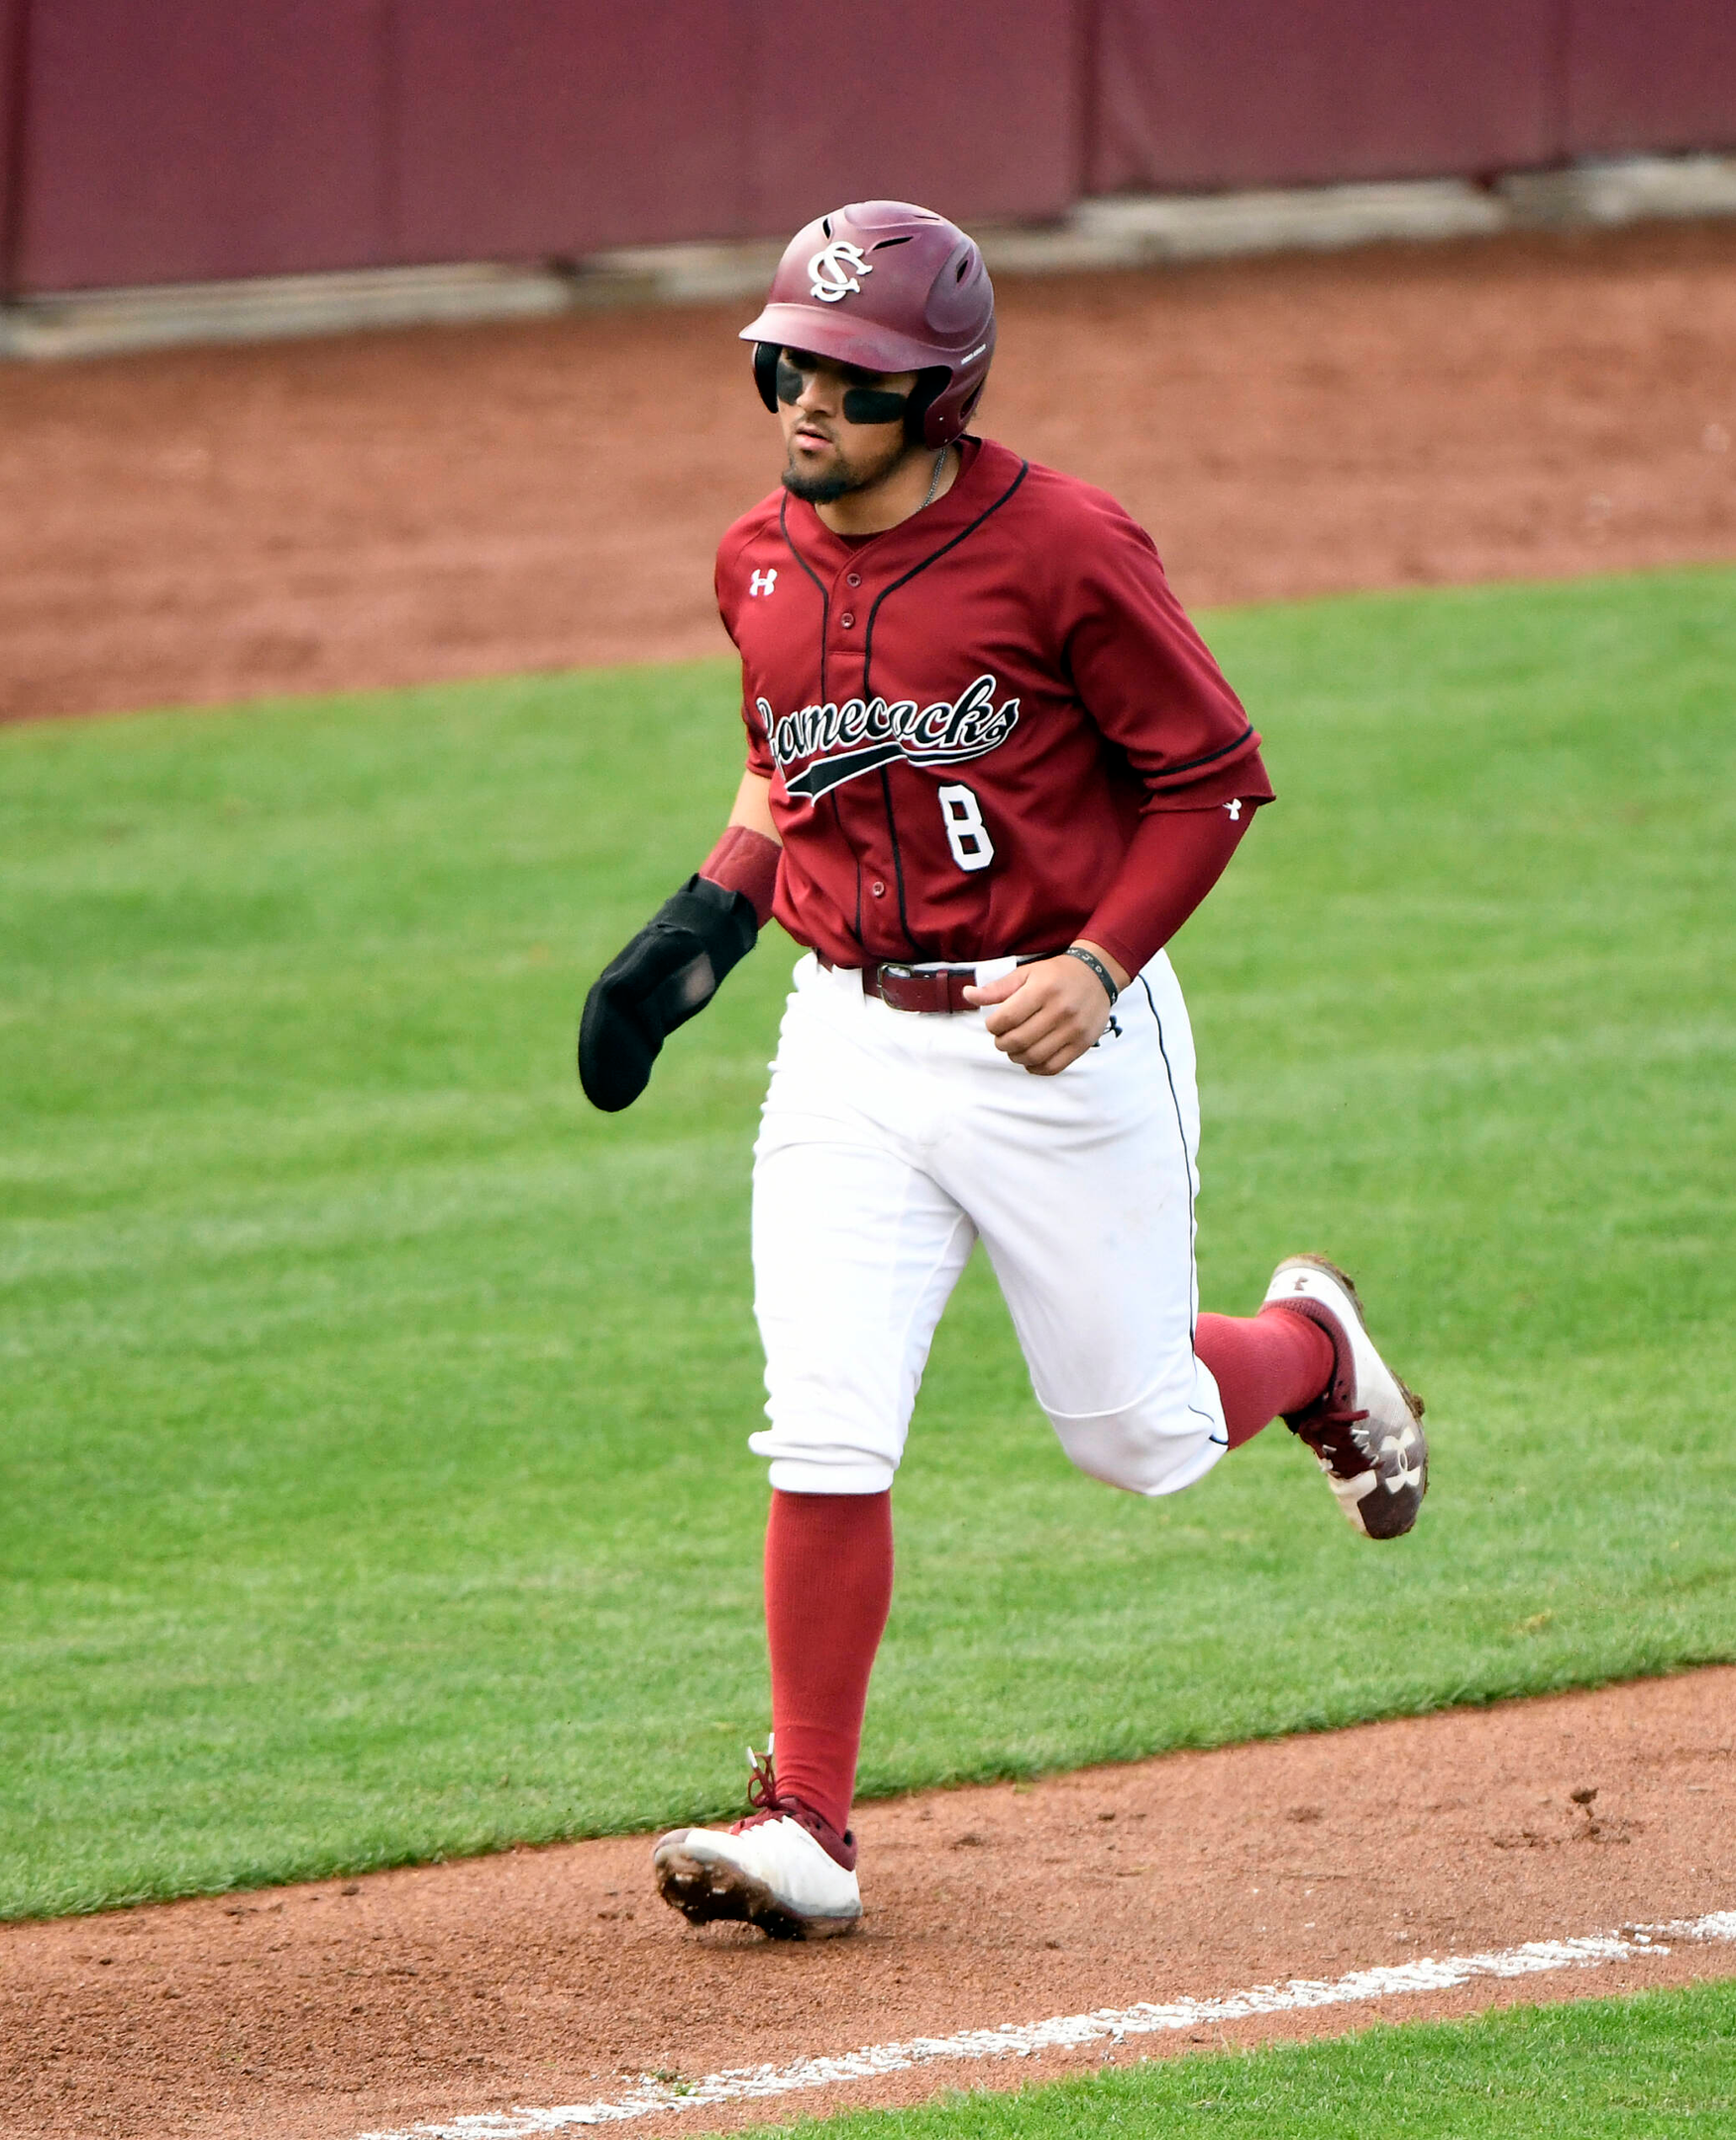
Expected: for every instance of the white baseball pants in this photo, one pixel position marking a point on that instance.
(890, 1143)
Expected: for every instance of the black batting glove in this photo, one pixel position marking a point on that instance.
(670, 970)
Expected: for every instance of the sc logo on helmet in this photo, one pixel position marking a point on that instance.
(831, 270)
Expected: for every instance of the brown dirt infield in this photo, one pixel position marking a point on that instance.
(557, 1976)
(383, 509)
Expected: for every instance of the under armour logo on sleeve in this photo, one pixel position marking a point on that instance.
(763, 582)
(1235, 809)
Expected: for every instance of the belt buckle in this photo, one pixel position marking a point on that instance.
(922, 990)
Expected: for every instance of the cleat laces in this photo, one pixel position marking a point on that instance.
(762, 1789)
(1333, 1433)
(769, 1805)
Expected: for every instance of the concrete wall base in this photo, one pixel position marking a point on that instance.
(1109, 233)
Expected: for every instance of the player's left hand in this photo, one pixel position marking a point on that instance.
(1045, 1016)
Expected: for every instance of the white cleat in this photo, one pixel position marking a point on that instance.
(1366, 1427)
(771, 1871)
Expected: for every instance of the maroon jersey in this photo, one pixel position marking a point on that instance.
(967, 719)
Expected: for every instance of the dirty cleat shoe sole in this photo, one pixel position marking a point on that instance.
(1378, 1465)
(711, 1889)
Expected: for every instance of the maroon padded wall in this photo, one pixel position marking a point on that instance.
(545, 128)
(183, 139)
(1651, 74)
(190, 140)
(13, 24)
(969, 107)
(1248, 92)
(150, 141)
(540, 128)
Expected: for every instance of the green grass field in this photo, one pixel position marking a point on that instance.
(1597, 2070)
(373, 1467)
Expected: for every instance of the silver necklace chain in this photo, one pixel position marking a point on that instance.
(935, 479)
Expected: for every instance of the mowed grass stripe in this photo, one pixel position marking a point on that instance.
(374, 1460)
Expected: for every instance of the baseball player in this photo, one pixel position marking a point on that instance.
(991, 770)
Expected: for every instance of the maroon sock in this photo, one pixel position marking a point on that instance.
(828, 1589)
(1263, 1365)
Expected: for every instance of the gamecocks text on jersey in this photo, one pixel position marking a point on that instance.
(820, 747)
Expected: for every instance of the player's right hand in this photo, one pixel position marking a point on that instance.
(672, 967)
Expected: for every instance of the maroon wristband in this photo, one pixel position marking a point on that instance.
(745, 861)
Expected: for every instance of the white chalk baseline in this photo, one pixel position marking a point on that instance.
(746, 2084)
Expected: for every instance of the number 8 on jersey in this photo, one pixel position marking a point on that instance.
(967, 834)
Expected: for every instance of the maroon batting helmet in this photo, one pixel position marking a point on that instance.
(887, 287)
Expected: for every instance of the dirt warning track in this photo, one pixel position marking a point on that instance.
(383, 509)
(554, 1977)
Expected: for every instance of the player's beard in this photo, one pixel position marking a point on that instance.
(844, 476)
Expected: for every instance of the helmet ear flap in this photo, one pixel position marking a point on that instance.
(930, 385)
(765, 372)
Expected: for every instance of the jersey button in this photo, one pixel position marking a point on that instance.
(878, 889)
(848, 619)
(853, 579)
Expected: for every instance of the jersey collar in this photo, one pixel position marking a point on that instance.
(987, 470)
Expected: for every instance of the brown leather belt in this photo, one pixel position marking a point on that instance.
(928, 990)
